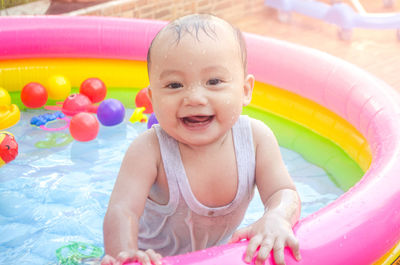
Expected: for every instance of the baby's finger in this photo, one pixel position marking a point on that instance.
(254, 243)
(240, 234)
(154, 257)
(279, 247)
(143, 258)
(125, 256)
(293, 243)
(108, 260)
(264, 251)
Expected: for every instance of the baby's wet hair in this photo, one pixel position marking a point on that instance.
(193, 25)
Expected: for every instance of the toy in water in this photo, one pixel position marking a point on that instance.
(340, 14)
(9, 113)
(111, 112)
(41, 121)
(76, 253)
(77, 103)
(58, 87)
(74, 104)
(34, 95)
(142, 100)
(84, 127)
(138, 116)
(152, 120)
(94, 89)
(57, 139)
(8, 148)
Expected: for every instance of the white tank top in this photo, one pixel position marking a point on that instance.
(184, 224)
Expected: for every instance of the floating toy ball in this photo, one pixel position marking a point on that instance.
(84, 127)
(5, 98)
(142, 100)
(111, 112)
(33, 95)
(58, 87)
(94, 89)
(152, 120)
(8, 148)
(138, 116)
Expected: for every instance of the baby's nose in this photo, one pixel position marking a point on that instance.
(195, 96)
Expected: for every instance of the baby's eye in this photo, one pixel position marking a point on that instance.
(174, 85)
(214, 81)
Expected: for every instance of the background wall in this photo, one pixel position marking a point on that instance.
(231, 10)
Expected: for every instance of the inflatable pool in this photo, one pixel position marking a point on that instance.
(345, 120)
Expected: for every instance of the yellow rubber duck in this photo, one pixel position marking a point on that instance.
(9, 113)
(138, 115)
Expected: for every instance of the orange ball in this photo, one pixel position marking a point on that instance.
(84, 127)
(142, 100)
(94, 89)
(33, 95)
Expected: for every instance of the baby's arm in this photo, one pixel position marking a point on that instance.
(273, 231)
(137, 174)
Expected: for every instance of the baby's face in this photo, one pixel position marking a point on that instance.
(198, 86)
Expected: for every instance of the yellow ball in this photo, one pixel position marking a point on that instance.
(5, 98)
(58, 87)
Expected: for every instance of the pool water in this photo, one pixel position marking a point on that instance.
(51, 196)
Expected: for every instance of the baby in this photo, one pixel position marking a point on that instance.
(185, 184)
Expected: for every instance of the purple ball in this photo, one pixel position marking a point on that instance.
(111, 112)
(152, 120)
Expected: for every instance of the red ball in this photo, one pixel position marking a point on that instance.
(84, 127)
(142, 100)
(94, 89)
(33, 95)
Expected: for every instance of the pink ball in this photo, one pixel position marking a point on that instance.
(33, 95)
(84, 127)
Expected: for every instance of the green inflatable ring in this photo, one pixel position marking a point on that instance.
(75, 252)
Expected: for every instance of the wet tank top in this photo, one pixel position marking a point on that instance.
(184, 224)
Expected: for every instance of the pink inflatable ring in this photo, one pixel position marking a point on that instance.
(359, 227)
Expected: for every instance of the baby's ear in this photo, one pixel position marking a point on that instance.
(149, 93)
(248, 89)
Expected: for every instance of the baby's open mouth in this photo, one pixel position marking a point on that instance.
(199, 120)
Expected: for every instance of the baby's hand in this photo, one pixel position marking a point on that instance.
(270, 232)
(147, 257)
